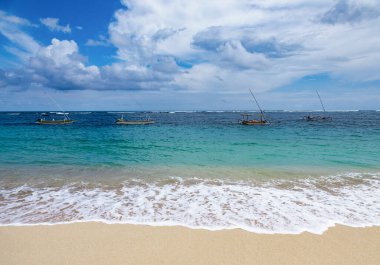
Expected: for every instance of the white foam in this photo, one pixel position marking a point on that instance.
(273, 207)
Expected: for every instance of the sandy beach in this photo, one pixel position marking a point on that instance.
(98, 244)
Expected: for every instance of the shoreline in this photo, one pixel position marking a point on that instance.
(319, 232)
(99, 243)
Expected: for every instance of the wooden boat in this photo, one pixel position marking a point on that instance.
(53, 121)
(247, 121)
(318, 118)
(65, 120)
(122, 121)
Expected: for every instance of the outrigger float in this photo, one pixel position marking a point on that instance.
(122, 121)
(247, 121)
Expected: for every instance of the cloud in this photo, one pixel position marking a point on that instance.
(244, 42)
(11, 27)
(17, 21)
(61, 66)
(53, 25)
(213, 38)
(205, 47)
(232, 53)
(91, 42)
(165, 33)
(345, 11)
(101, 42)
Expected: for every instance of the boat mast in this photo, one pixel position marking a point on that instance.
(257, 103)
(321, 101)
(56, 103)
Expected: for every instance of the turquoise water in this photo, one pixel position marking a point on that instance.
(350, 140)
(188, 154)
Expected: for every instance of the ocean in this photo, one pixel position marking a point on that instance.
(199, 169)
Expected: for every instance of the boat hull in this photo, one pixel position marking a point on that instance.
(317, 118)
(134, 122)
(254, 122)
(55, 122)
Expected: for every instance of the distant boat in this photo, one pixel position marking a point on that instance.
(247, 121)
(123, 121)
(65, 120)
(53, 121)
(318, 118)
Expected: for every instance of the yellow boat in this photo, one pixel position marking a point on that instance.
(247, 121)
(53, 121)
(65, 120)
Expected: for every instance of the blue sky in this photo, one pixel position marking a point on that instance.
(160, 55)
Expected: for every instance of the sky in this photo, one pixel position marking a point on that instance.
(189, 55)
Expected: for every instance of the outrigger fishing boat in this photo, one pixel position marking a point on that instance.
(122, 121)
(318, 118)
(247, 121)
(53, 121)
(65, 120)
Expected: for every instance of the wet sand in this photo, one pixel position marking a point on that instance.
(101, 244)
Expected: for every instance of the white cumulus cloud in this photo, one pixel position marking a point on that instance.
(250, 40)
(210, 46)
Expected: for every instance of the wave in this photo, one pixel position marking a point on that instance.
(282, 206)
(59, 112)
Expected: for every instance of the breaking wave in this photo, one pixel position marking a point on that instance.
(281, 206)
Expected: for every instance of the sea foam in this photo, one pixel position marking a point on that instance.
(282, 206)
